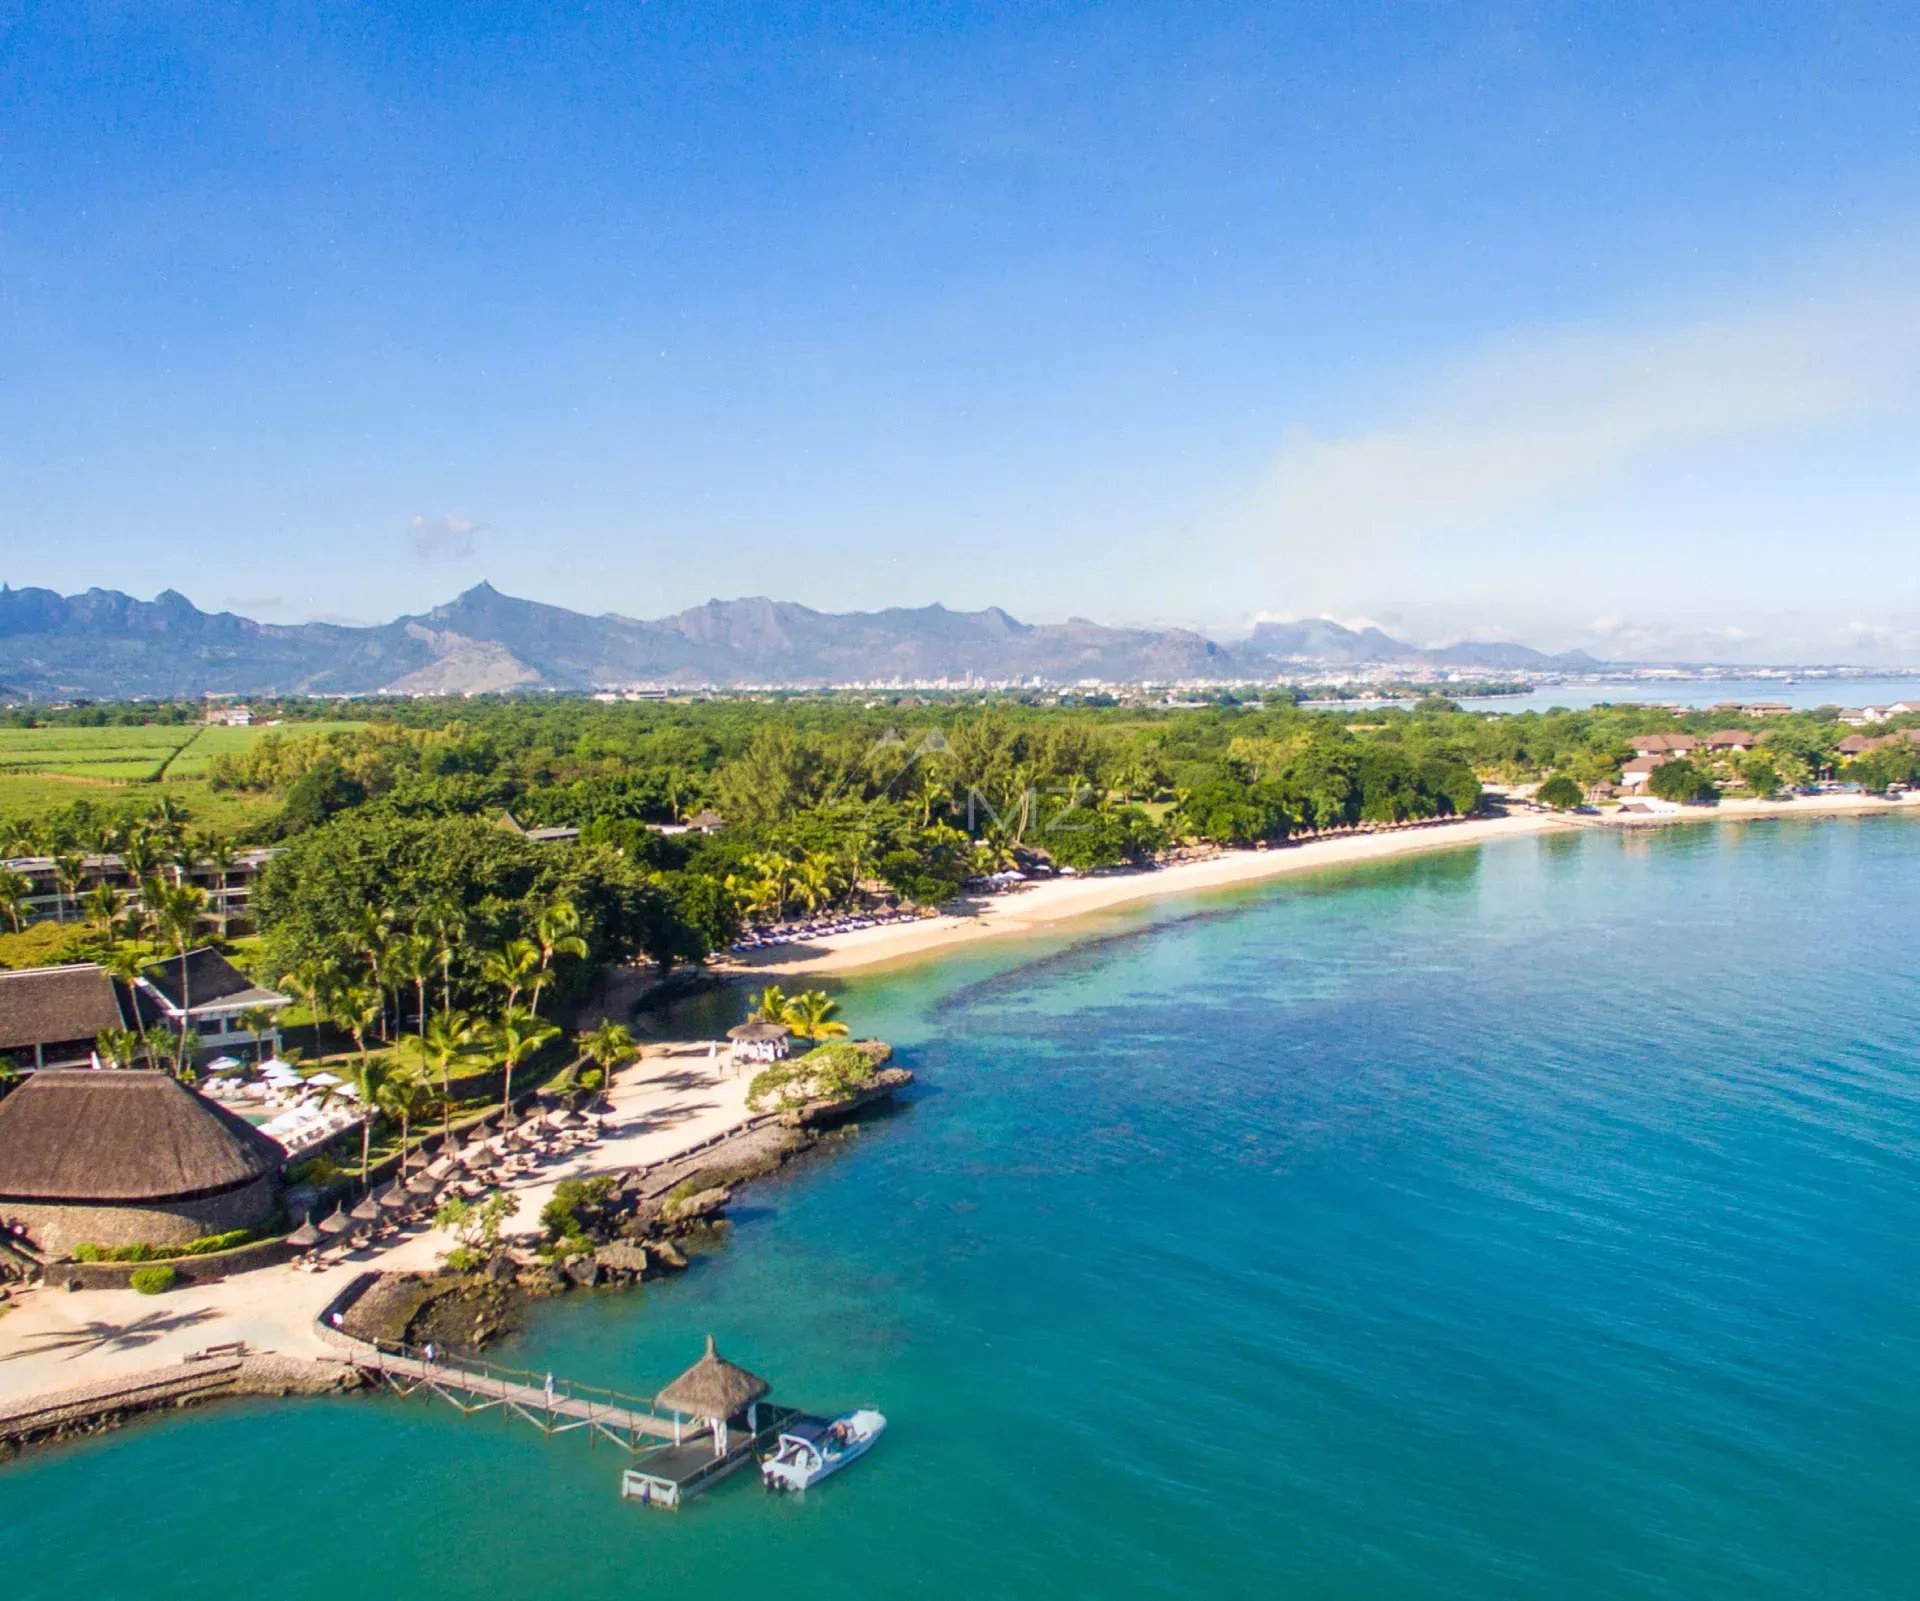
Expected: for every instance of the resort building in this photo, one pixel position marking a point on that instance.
(1638, 773)
(215, 1000)
(128, 1158)
(1664, 744)
(50, 1016)
(542, 836)
(1732, 741)
(54, 896)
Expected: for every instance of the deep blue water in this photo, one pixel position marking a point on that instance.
(1535, 1221)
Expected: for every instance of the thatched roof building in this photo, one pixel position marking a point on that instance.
(125, 1158)
(50, 1016)
(712, 1388)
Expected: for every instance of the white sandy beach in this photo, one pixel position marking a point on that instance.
(1052, 902)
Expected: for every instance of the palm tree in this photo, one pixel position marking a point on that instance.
(176, 917)
(14, 890)
(218, 853)
(67, 871)
(518, 1037)
(102, 904)
(557, 932)
(117, 1046)
(188, 1048)
(509, 968)
(257, 1020)
(372, 936)
(449, 1035)
(608, 1047)
(400, 1093)
(771, 1007)
(443, 921)
(410, 961)
(125, 966)
(810, 1015)
(356, 1007)
(313, 978)
(812, 881)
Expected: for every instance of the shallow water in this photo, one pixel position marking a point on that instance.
(1539, 1220)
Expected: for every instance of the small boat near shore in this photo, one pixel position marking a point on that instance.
(811, 1448)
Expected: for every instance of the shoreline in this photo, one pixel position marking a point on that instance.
(677, 1104)
(1043, 906)
(76, 1364)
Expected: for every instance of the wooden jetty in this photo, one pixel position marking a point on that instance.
(552, 1405)
(676, 1473)
(704, 1426)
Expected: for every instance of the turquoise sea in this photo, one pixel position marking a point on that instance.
(1539, 1221)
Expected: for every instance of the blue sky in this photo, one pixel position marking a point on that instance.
(1586, 325)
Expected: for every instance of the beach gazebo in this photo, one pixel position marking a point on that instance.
(759, 1042)
(714, 1391)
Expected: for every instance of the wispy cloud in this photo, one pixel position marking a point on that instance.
(1552, 413)
(444, 538)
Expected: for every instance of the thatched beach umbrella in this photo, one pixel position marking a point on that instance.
(306, 1236)
(368, 1210)
(563, 1117)
(394, 1197)
(422, 1183)
(337, 1221)
(716, 1390)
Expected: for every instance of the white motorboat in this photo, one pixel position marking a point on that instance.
(811, 1448)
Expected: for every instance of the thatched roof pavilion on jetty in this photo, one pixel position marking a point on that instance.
(714, 1391)
(123, 1157)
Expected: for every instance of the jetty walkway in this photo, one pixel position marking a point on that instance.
(552, 1404)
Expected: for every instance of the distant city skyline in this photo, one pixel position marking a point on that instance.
(1587, 329)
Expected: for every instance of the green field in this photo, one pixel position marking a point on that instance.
(121, 768)
(120, 754)
(197, 759)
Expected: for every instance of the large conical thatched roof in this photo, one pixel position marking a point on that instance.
(72, 1134)
(712, 1388)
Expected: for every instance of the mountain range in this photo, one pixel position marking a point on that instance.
(105, 644)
